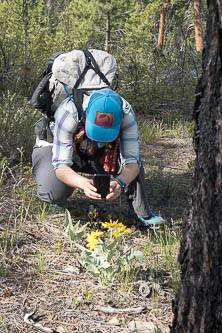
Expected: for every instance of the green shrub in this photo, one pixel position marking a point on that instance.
(16, 118)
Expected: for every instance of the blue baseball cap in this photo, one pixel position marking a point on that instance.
(103, 116)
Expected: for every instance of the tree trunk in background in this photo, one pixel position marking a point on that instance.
(161, 27)
(198, 26)
(198, 302)
(107, 41)
(108, 28)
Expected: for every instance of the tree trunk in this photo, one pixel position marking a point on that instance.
(161, 27)
(107, 41)
(108, 27)
(198, 26)
(198, 302)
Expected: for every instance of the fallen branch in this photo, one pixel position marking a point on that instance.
(109, 309)
(29, 320)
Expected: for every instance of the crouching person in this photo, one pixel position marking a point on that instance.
(106, 143)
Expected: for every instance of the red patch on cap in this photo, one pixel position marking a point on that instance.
(104, 119)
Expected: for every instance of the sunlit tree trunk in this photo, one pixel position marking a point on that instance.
(108, 27)
(198, 303)
(162, 27)
(198, 26)
(107, 41)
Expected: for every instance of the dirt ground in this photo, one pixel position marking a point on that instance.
(64, 298)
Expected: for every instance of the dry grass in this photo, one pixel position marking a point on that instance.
(40, 272)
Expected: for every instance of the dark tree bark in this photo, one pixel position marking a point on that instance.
(198, 302)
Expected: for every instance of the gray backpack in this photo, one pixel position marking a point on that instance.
(72, 74)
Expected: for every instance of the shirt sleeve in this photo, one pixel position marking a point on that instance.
(129, 139)
(66, 120)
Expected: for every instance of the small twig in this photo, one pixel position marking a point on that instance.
(56, 216)
(9, 169)
(26, 295)
(109, 309)
(174, 168)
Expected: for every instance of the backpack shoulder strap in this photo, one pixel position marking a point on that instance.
(91, 64)
(94, 66)
(78, 94)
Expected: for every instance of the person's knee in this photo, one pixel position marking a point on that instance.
(55, 197)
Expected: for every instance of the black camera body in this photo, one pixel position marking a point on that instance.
(102, 183)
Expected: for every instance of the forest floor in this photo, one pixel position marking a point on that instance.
(43, 285)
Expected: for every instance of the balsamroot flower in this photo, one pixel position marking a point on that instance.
(112, 224)
(92, 239)
(122, 230)
(118, 227)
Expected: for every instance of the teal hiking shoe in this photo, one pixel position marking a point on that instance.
(60, 206)
(154, 220)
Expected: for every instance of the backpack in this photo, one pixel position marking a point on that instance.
(41, 98)
(72, 74)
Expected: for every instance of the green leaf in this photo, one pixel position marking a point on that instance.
(72, 236)
(121, 261)
(74, 232)
(67, 218)
(75, 227)
(105, 265)
(100, 251)
(114, 243)
(83, 249)
(136, 255)
(92, 269)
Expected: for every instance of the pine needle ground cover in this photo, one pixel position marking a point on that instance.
(52, 277)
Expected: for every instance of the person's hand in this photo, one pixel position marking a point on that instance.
(114, 191)
(90, 190)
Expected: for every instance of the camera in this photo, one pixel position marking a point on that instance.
(102, 183)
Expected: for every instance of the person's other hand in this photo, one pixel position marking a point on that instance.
(115, 190)
(90, 190)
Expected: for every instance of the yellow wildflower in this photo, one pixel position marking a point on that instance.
(92, 244)
(123, 229)
(116, 233)
(112, 224)
(116, 224)
(105, 225)
(97, 233)
(92, 239)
